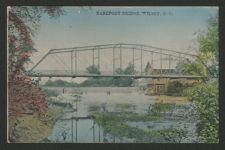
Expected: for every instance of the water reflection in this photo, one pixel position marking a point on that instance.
(124, 118)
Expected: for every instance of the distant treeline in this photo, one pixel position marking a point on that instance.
(98, 81)
(61, 83)
(93, 82)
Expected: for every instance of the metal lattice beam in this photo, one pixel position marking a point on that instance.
(133, 47)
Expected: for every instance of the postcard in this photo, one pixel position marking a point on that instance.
(110, 74)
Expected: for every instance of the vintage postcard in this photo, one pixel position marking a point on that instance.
(113, 74)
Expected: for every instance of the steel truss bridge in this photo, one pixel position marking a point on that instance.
(147, 62)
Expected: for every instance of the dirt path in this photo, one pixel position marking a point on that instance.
(172, 99)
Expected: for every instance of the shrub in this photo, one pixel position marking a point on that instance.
(205, 99)
(175, 88)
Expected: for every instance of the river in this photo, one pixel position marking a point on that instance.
(128, 110)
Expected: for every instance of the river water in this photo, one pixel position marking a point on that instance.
(83, 129)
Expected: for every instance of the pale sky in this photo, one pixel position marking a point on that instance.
(80, 26)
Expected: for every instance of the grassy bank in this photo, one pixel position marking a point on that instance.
(33, 129)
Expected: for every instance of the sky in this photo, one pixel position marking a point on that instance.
(175, 28)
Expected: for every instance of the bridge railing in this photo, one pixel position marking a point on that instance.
(52, 73)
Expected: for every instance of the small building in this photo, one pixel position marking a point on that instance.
(160, 85)
(151, 71)
(157, 86)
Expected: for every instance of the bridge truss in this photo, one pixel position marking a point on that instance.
(109, 58)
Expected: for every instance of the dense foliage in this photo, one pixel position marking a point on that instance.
(205, 98)
(175, 88)
(207, 57)
(61, 83)
(93, 69)
(205, 95)
(107, 81)
(24, 94)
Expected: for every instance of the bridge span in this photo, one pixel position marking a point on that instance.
(113, 60)
(118, 76)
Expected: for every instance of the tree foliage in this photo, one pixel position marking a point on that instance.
(61, 83)
(205, 99)
(93, 70)
(206, 62)
(205, 95)
(110, 81)
(175, 88)
(23, 23)
(129, 69)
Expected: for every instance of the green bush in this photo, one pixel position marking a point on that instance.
(205, 99)
(61, 83)
(175, 88)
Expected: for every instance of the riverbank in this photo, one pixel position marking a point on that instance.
(33, 129)
(172, 99)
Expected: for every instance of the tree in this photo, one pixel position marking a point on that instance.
(61, 83)
(205, 95)
(109, 81)
(206, 62)
(129, 69)
(209, 46)
(93, 69)
(23, 23)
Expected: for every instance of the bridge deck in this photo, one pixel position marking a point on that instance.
(78, 118)
(117, 76)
